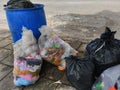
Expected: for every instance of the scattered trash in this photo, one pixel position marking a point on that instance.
(53, 49)
(27, 60)
(109, 79)
(18, 4)
(105, 51)
(80, 72)
(57, 82)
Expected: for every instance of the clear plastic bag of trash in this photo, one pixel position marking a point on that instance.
(108, 80)
(80, 72)
(53, 49)
(105, 51)
(27, 60)
(18, 4)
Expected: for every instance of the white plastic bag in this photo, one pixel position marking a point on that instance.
(27, 38)
(108, 79)
(27, 60)
(54, 49)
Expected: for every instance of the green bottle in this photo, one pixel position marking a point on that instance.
(99, 86)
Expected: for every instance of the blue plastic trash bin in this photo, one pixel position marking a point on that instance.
(31, 18)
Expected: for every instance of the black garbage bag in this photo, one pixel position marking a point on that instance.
(80, 72)
(18, 4)
(105, 51)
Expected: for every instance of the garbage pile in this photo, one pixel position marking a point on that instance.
(28, 55)
(19, 4)
(101, 54)
(99, 69)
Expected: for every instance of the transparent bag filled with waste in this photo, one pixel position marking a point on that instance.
(54, 49)
(108, 80)
(27, 60)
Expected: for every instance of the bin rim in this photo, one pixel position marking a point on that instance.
(37, 6)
